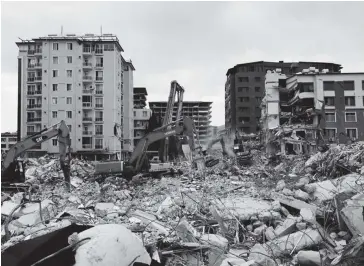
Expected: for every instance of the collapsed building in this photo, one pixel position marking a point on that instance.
(311, 108)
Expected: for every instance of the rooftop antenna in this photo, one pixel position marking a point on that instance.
(62, 30)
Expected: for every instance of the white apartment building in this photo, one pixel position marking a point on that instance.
(8, 140)
(78, 79)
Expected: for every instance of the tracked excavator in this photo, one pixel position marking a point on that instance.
(13, 168)
(139, 162)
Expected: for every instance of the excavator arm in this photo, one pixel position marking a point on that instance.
(13, 172)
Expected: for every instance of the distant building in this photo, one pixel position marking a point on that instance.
(199, 111)
(296, 107)
(141, 113)
(8, 140)
(244, 90)
(79, 79)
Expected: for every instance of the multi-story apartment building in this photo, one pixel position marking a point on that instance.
(295, 109)
(198, 110)
(141, 114)
(8, 139)
(78, 79)
(128, 115)
(244, 90)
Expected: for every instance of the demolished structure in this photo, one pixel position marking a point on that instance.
(305, 111)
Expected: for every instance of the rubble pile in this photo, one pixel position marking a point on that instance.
(226, 215)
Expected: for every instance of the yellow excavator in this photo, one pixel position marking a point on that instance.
(12, 166)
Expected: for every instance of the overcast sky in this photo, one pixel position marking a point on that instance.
(192, 42)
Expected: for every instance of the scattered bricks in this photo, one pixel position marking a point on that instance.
(102, 208)
(265, 216)
(269, 233)
(308, 215)
(276, 206)
(309, 258)
(260, 229)
(287, 192)
(301, 195)
(280, 185)
(276, 215)
(302, 182)
(309, 189)
(288, 226)
(301, 226)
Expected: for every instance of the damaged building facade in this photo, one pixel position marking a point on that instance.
(311, 108)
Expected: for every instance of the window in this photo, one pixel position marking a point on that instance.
(240, 89)
(99, 129)
(99, 88)
(69, 59)
(244, 109)
(145, 114)
(350, 117)
(55, 87)
(69, 128)
(351, 133)
(244, 119)
(330, 132)
(54, 100)
(328, 85)
(257, 79)
(69, 87)
(55, 60)
(69, 114)
(330, 117)
(109, 47)
(306, 87)
(350, 101)
(54, 114)
(69, 73)
(99, 116)
(362, 84)
(258, 99)
(348, 85)
(69, 100)
(257, 89)
(99, 61)
(55, 73)
(98, 143)
(69, 46)
(99, 102)
(3, 146)
(244, 99)
(329, 101)
(134, 113)
(55, 46)
(54, 142)
(251, 68)
(99, 75)
(244, 79)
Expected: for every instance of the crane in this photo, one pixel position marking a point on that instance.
(178, 90)
(138, 161)
(13, 170)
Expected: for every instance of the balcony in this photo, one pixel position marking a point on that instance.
(87, 65)
(38, 92)
(86, 50)
(86, 146)
(98, 146)
(87, 119)
(99, 79)
(31, 52)
(87, 78)
(87, 91)
(38, 65)
(99, 119)
(31, 66)
(99, 105)
(99, 65)
(99, 51)
(99, 92)
(38, 51)
(88, 133)
(87, 105)
(99, 133)
(34, 106)
(34, 119)
(38, 79)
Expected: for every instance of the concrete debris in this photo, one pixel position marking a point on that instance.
(263, 214)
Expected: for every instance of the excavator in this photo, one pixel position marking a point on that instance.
(139, 161)
(13, 168)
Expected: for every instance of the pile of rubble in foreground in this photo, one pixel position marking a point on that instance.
(300, 212)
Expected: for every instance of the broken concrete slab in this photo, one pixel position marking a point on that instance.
(309, 258)
(8, 207)
(186, 232)
(294, 203)
(269, 233)
(326, 190)
(102, 208)
(218, 246)
(301, 195)
(259, 230)
(288, 227)
(308, 215)
(261, 256)
(302, 182)
(32, 214)
(301, 226)
(287, 192)
(353, 214)
(280, 185)
(150, 219)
